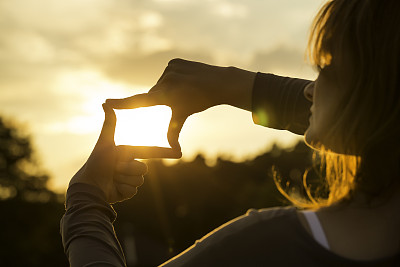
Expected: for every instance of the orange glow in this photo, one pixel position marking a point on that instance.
(143, 126)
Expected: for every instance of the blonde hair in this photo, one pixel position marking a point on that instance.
(364, 36)
(333, 180)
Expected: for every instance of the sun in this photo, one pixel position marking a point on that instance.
(143, 126)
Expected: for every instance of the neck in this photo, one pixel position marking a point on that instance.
(386, 203)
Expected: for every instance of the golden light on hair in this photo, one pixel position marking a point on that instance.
(336, 174)
(318, 52)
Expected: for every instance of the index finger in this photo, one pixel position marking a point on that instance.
(137, 101)
(127, 153)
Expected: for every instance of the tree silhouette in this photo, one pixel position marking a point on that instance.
(177, 204)
(20, 175)
(29, 228)
(181, 203)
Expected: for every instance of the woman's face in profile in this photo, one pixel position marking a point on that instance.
(325, 94)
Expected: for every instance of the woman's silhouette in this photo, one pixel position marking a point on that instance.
(350, 114)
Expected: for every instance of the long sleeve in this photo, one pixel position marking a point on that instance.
(87, 229)
(278, 102)
(268, 237)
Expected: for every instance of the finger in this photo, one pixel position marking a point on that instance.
(132, 167)
(137, 101)
(125, 191)
(131, 180)
(166, 70)
(126, 153)
(176, 65)
(108, 130)
(174, 129)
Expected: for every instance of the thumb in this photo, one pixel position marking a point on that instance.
(110, 120)
(174, 129)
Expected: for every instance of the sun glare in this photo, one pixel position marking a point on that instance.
(143, 126)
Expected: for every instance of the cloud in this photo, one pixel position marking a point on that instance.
(284, 61)
(133, 40)
(60, 59)
(144, 69)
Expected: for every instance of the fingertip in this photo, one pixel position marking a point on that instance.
(176, 147)
(178, 154)
(174, 152)
(108, 109)
(116, 103)
(123, 103)
(106, 106)
(174, 143)
(105, 109)
(109, 101)
(110, 121)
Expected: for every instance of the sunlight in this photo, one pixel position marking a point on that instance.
(143, 126)
(83, 92)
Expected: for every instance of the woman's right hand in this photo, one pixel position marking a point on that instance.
(189, 87)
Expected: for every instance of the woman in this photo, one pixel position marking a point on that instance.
(354, 122)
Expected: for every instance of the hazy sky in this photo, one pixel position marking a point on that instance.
(59, 61)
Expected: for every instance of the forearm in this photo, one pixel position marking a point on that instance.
(87, 232)
(278, 102)
(275, 101)
(238, 88)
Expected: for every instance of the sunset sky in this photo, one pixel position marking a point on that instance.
(60, 60)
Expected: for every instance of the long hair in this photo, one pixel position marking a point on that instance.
(364, 37)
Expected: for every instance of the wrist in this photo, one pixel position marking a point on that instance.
(239, 88)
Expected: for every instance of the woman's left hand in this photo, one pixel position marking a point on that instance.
(112, 168)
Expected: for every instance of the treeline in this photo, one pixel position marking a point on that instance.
(30, 212)
(177, 204)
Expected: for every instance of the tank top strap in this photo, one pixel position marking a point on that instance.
(316, 228)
